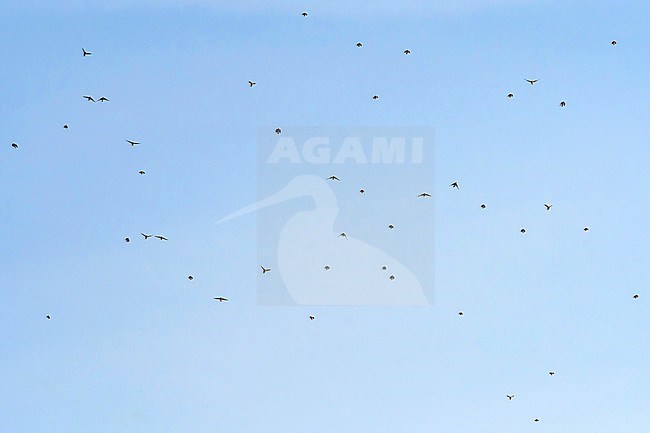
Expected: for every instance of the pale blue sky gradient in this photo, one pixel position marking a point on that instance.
(133, 346)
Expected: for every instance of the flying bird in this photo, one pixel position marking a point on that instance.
(142, 172)
(483, 206)
(455, 185)
(304, 14)
(103, 99)
(383, 268)
(65, 126)
(424, 194)
(220, 299)
(614, 42)
(311, 317)
(636, 296)
(510, 397)
(460, 313)
(362, 191)
(89, 98)
(48, 317)
(127, 240)
(146, 236)
(265, 270)
(392, 277)
(523, 230)
(162, 238)
(510, 96)
(536, 420)
(278, 131)
(132, 143)
(551, 373)
(548, 206)
(343, 235)
(532, 82)
(14, 145)
(359, 44)
(375, 97)
(327, 268)
(390, 226)
(562, 104)
(407, 52)
(333, 178)
(586, 229)
(251, 83)
(86, 53)
(189, 277)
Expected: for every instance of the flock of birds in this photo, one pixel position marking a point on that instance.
(265, 270)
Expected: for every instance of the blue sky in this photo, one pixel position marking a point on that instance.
(134, 346)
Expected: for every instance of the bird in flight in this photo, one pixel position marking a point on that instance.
(333, 178)
(510, 96)
(189, 277)
(483, 206)
(327, 267)
(383, 268)
(311, 317)
(278, 131)
(142, 172)
(304, 14)
(265, 270)
(362, 191)
(392, 277)
(551, 373)
(251, 83)
(636, 296)
(586, 229)
(343, 235)
(536, 420)
(532, 82)
(162, 238)
(455, 185)
(510, 397)
(89, 98)
(86, 53)
(133, 143)
(548, 206)
(146, 236)
(562, 104)
(375, 97)
(14, 145)
(48, 317)
(127, 240)
(424, 194)
(390, 226)
(523, 230)
(614, 42)
(103, 99)
(407, 52)
(460, 313)
(359, 44)
(65, 126)
(220, 299)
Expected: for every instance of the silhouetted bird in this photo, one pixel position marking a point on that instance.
(132, 143)
(333, 178)
(265, 270)
(359, 44)
(548, 206)
(460, 313)
(407, 52)
(327, 268)
(536, 420)
(362, 191)
(392, 277)
(251, 83)
(375, 97)
(383, 268)
(343, 235)
(146, 236)
(311, 317)
(483, 206)
(532, 82)
(189, 277)
(86, 53)
(551, 373)
(510, 397)
(65, 126)
(220, 299)
(304, 14)
(162, 238)
(278, 131)
(48, 317)
(424, 194)
(89, 98)
(455, 185)
(127, 240)
(103, 99)
(390, 226)
(562, 104)
(14, 145)
(523, 230)
(142, 172)
(586, 229)
(614, 42)
(510, 95)
(636, 296)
